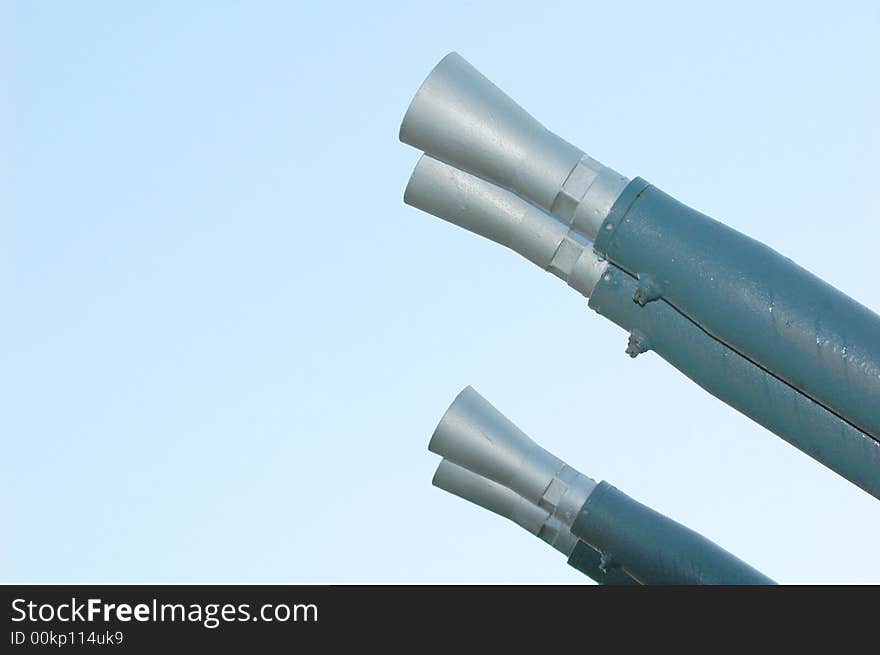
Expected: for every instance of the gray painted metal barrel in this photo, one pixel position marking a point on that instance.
(761, 304)
(732, 378)
(653, 548)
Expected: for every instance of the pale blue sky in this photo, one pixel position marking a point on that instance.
(227, 340)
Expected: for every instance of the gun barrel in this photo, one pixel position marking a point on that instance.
(500, 500)
(492, 463)
(503, 175)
